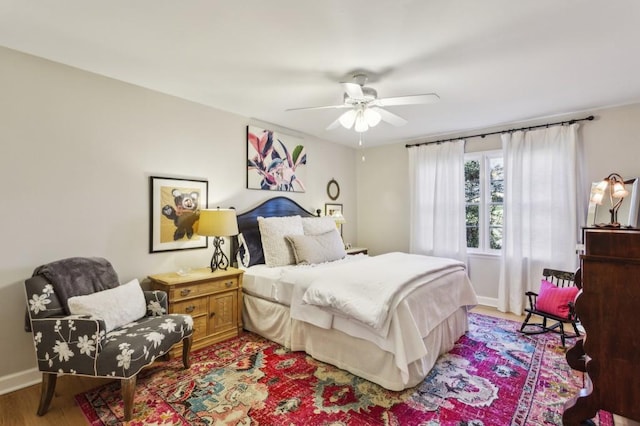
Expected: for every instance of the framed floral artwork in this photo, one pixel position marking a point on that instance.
(174, 211)
(275, 162)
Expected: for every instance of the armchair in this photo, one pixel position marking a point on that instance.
(81, 344)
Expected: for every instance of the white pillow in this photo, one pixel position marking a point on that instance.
(117, 306)
(277, 252)
(310, 249)
(317, 225)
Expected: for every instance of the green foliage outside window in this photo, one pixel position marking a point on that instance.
(491, 204)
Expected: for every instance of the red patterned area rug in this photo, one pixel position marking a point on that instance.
(493, 376)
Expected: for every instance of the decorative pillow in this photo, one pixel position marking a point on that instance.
(317, 225)
(117, 306)
(277, 252)
(555, 300)
(310, 249)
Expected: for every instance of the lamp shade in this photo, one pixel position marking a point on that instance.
(372, 117)
(217, 223)
(361, 122)
(348, 118)
(338, 217)
(619, 191)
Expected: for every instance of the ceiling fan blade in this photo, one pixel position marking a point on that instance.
(390, 117)
(334, 125)
(320, 107)
(353, 90)
(427, 98)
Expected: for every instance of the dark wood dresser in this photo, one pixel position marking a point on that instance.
(607, 308)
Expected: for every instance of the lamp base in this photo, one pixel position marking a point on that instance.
(608, 225)
(219, 260)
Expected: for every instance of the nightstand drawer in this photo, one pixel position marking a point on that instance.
(200, 327)
(193, 307)
(194, 290)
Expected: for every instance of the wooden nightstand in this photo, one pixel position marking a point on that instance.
(214, 300)
(357, 250)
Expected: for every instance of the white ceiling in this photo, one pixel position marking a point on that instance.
(491, 62)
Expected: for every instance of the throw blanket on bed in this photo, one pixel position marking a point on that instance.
(368, 292)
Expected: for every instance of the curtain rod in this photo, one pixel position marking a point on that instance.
(482, 135)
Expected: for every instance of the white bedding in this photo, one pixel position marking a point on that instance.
(369, 292)
(268, 283)
(425, 301)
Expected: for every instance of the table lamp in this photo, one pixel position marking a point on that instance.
(617, 190)
(218, 223)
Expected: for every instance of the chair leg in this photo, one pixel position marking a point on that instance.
(525, 322)
(575, 329)
(128, 388)
(562, 335)
(186, 351)
(48, 388)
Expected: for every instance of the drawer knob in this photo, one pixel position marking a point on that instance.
(212, 314)
(229, 284)
(185, 292)
(190, 309)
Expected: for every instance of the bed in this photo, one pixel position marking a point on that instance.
(299, 305)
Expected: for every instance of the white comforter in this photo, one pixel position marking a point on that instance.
(422, 298)
(368, 292)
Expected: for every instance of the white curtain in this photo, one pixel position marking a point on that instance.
(437, 203)
(540, 210)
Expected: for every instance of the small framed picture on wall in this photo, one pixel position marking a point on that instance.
(334, 211)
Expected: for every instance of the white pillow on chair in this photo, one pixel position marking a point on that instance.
(116, 307)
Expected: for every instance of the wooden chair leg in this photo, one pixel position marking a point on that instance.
(525, 322)
(186, 351)
(575, 329)
(128, 388)
(48, 388)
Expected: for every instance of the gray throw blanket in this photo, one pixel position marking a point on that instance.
(78, 276)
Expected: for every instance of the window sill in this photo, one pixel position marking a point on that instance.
(481, 254)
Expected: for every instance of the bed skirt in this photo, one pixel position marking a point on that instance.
(360, 357)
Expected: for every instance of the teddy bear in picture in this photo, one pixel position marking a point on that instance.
(184, 215)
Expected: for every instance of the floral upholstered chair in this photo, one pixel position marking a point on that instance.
(84, 322)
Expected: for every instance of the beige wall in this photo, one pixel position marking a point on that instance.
(610, 143)
(77, 150)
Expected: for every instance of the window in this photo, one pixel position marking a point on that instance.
(484, 197)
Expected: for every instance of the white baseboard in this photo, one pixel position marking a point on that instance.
(488, 301)
(22, 379)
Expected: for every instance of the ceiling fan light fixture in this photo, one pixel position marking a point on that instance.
(361, 122)
(348, 118)
(372, 117)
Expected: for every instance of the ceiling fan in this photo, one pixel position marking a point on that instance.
(366, 109)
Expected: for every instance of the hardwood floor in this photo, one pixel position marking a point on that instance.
(19, 407)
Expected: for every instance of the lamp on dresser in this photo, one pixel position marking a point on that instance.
(218, 223)
(614, 185)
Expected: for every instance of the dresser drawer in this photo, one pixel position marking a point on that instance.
(199, 289)
(193, 307)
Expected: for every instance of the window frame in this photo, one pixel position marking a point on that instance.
(484, 204)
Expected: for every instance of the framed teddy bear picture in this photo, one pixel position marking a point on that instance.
(175, 209)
